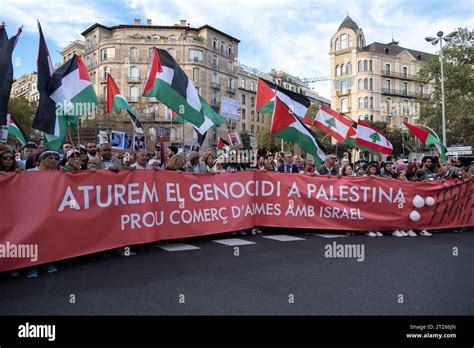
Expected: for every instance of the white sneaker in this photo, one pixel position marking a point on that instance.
(397, 233)
(371, 234)
(404, 234)
(378, 234)
(412, 233)
(425, 233)
(254, 231)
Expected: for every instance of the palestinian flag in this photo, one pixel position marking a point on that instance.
(15, 130)
(116, 101)
(168, 83)
(223, 145)
(6, 70)
(428, 139)
(266, 92)
(65, 94)
(333, 123)
(287, 126)
(372, 138)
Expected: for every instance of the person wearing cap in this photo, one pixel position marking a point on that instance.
(328, 167)
(195, 165)
(84, 157)
(105, 160)
(73, 157)
(48, 160)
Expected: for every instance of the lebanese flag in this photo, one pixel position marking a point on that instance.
(168, 83)
(427, 139)
(333, 123)
(116, 101)
(15, 130)
(287, 126)
(372, 138)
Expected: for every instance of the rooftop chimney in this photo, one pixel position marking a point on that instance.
(137, 21)
(148, 22)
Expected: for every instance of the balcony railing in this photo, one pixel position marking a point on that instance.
(90, 48)
(400, 75)
(214, 65)
(215, 85)
(196, 60)
(398, 93)
(107, 59)
(223, 52)
(343, 92)
(133, 79)
(133, 99)
(230, 89)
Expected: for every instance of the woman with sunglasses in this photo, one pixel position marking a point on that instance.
(8, 162)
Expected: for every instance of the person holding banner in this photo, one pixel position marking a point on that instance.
(8, 163)
(105, 160)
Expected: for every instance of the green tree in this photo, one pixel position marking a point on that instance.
(23, 111)
(458, 87)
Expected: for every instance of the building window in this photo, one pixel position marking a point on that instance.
(214, 98)
(388, 85)
(104, 91)
(195, 56)
(350, 40)
(242, 83)
(366, 67)
(344, 105)
(387, 69)
(366, 102)
(338, 70)
(243, 99)
(252, 115)
(359, 67)
(405, 71)
(344, 41)
(371, 105)
(243, 127)
(349, 68)
(252, 101)
(215, 78)
(359, 41)
(360, 84)
(372, 117)
(361, 103)
(252, 129)
(421, 90)
(338, 46)
(196, 74)
(133, 52)
(344, 87)
(134, 93)
(366, 83)
(134, 74)
(370, 65)
(371, 85)
(252, 86)
(243, 114)
(405, 88)
(343, 71)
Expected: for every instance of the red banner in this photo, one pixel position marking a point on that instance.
(70, 214)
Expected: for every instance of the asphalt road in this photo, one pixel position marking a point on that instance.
(267, 278)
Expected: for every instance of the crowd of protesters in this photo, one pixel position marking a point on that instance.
(35, 156)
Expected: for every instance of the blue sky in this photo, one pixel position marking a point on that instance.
(283, 34)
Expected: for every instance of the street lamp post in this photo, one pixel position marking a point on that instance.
(434, 41)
